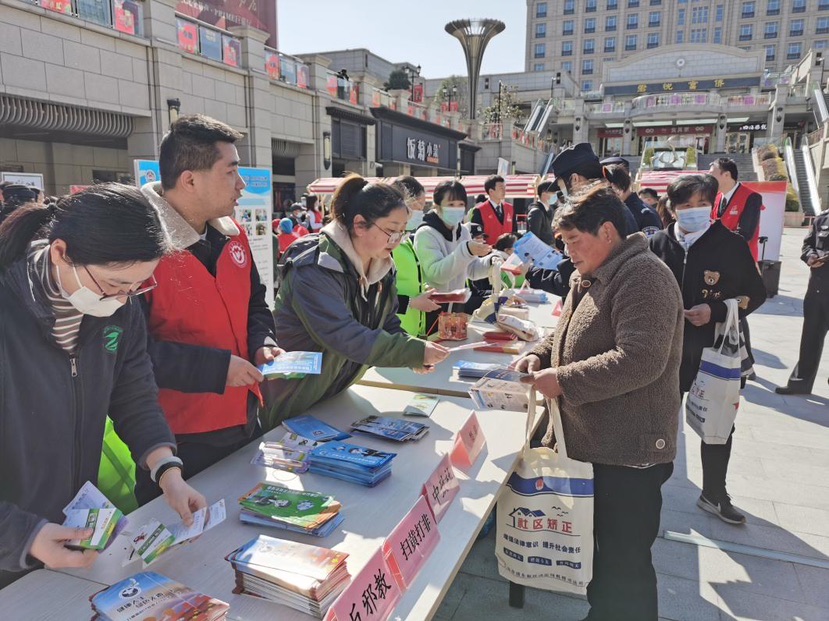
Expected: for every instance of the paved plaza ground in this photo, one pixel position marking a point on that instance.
(775, 567)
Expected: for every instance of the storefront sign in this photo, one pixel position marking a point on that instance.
(676, 131)
(750, 127)
(441, 488)
(371, 596)
(414, 146)
(677, 86)
(33, 180)
(610, 133)
(410, 543)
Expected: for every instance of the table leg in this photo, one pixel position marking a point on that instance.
(516, 595)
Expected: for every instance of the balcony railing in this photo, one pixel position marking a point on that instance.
(381, 99)
(342, 88)
(814, 137)
(125, 16)
(703, 100)
(288, 69)
(200, 39)
(607, 107)
(502, 131)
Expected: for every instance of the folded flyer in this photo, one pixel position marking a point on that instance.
(101, 521)
(154, 539)
(391, 428)
(293, 365)
(501, 390)
(531, 248)
(313, 429)
(88, 498)
(421, 405)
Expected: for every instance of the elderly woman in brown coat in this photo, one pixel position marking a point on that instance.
(613, 365)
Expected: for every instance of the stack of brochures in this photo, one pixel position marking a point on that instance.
(391, 428)
(501, 390)
(293, 365)
(288, 453)
(303, 577)
(313, 429)
(300, 511)
(466, 369)
(91, 509)
(149, 595)
(353, 463)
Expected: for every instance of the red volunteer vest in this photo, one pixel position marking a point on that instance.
(733, 213)
(193, 307)
(493, 229)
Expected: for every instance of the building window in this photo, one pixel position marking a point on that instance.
(746, 32)
(771, 30)
(720, 13)
(820, 45)
(540, 31)
(590, 25)
(567, 27)
(610, 23)
(794, 51)
(633, 4)
(823, 5)
(748, 10)
(589, 46)
(538, 67)
(680, 17)
(680, 36)
(773, 7)
(653, 40)
(633, 21)
(541, 10)
(569, 7)
(796, 28)
(567, 48)
(540, 50)
(699, 15)
(630, 43)
(612, 5)
(656, 2)
(799, 6)
(822, 25)
(771, 53)
(718, 35)
(591, 6)
(609, 44)
(699, 35)
(587, 85)
(567, 66)
(587, 67)
(654, 19)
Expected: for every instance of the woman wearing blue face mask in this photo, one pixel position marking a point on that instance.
(73, 351)
(711, 265)
(448, 254)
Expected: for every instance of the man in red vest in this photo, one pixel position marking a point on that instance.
(736, 206)
(495, 216)
(209, 323)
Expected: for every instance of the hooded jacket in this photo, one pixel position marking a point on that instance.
(444, 254)
(717, 267)
(54, 408)
(327, 304)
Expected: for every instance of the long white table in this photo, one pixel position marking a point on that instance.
(370, 513)
(45, 595)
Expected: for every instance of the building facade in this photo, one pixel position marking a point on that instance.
(580, 36)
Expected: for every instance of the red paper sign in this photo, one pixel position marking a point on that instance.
(411, 542)
(441, 488)
(371, 596)
(468, 443)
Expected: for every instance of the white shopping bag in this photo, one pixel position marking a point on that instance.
(712, 403)
(545, 518)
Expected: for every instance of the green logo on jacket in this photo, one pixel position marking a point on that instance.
(112, 338)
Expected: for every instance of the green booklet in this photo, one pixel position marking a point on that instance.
(302, 508)
(101, 521)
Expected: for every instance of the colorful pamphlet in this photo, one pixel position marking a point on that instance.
(313, 429)
(304, 577)
(391, 428)
(537, 296)
(350, 462)
(458, 296)
(421, 405)
(154, 539)
(101, 521)
(501, 390)
(89, 498)
(300, 511)
(149, 595)
(467, 369)
(531, 248)
(293, 365)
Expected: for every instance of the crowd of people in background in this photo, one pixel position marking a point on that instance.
(101, 286)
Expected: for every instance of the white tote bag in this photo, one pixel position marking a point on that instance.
(545, 518)
(712, 403)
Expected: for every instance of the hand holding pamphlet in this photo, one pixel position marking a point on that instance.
(531, 248)
(293, 365)
(501, 390)
(91, 509)
(154, 539)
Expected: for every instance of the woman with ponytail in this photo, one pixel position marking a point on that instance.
(73, 351)
(338, 297)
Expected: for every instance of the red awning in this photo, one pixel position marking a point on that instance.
(518, 186)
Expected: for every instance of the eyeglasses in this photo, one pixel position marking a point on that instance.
(122, 294)
(394, 238)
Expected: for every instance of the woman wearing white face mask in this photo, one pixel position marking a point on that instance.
(448, 255)
(711, 265)
(73, 353)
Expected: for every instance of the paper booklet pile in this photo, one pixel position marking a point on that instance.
(350, 462)
(391, 428)
(301, 576)
(149, 595)
(300, 511)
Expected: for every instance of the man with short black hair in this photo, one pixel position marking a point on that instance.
(647, 220)
(649, 197)
(540, 214)
(736, 206)
(494, 215)
(209, 324)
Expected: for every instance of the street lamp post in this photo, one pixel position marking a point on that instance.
(448, 94)
(412, 72)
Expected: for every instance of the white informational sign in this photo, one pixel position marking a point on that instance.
(503, 167)
(254, 214)
(771, 219)
(33, 180)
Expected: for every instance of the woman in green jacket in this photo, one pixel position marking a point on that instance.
(412, 296)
